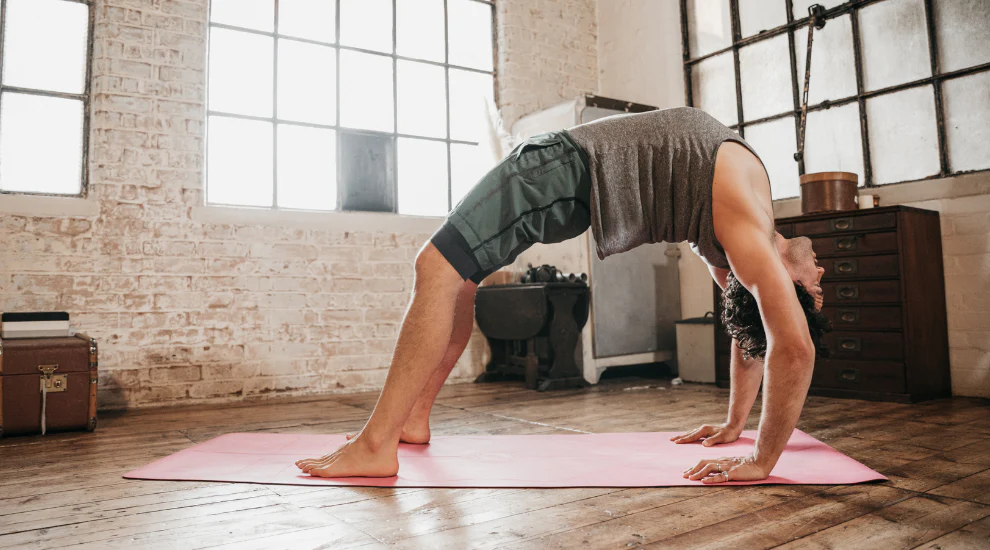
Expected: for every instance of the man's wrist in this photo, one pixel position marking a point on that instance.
(762, 461)
(735, 425)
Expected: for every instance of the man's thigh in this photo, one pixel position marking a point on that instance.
(538, 194)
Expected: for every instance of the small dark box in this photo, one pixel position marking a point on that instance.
(47, 385)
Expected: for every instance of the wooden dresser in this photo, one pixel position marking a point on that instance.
(885, 294)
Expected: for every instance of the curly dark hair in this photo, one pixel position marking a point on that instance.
(741, 318)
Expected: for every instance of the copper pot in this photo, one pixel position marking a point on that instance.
(829, 192)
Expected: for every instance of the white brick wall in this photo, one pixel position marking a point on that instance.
(546, 53)
(210, 312)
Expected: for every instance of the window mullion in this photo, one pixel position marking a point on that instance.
(863, 126)
(275, 112)
(337, 140)
(943, 157)
(395, 110)
(446, 84)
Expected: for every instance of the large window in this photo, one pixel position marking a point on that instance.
(900, 89)
(44, 95)
(374, 105)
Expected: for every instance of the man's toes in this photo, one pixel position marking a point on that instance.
(321, 463)
(350, 436)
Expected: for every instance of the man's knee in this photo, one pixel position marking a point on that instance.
(430, 265)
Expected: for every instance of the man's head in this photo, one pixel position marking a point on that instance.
(741, 313)
(802, 265)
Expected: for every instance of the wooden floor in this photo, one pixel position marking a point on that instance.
(66, 489)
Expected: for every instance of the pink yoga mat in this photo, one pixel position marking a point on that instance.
(646, 459)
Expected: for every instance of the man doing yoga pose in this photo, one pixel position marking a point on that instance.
(672, 175)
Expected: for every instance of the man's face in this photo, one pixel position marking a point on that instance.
(802, 264)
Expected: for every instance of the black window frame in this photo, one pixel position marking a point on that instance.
(84, 97)
(851, 7)
(392, 136)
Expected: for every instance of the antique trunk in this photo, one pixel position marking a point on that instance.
(885, 294)
(47, 385)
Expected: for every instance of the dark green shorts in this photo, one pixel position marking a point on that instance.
(538, 194)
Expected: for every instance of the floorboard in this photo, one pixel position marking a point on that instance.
(66, 489)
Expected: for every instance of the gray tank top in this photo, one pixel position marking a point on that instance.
(651, 177)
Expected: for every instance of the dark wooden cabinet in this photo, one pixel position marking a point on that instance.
(885, 294)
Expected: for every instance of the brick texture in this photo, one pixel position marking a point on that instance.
(547, 53)
(194, 312)
(966, 256)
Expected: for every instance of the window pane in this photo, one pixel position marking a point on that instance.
(468, 163)
(713, 85)
(709, 26)
(366, 24)
(903, 140)
(833, 64)
(41, 144)
(367, 172)
(366, 91)
(250, 14)
(761, 15)
(775, 142)
(45, 45)
(419, 29)
(312, 19)
(239, 162)
(471, 94)
(961, 30)
(470, 31)
(306, 82)
(766, 78)
(967, 121)
(422, 99)
(833, 141)
(800, 7)
(422, 177)
(894, 39)
(240, 73)
(307, 167)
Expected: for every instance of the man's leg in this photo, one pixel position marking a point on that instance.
(423, 340)
(417, 428)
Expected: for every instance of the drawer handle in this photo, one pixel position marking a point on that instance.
(847, 292)
(849, 375)
(842, 224)
(850, 344)
(845, 243)
(849, 316)
(846, 267)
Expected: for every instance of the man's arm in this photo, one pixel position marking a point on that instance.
(789, 358)
(790, 353)
(745, 376)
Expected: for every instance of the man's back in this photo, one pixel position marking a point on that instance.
(652, 179)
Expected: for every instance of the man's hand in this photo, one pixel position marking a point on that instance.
(720, 470)
(712, 435)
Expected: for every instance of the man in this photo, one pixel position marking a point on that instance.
(670, 175)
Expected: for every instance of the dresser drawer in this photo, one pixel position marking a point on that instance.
(846, 318)
(866, 345)
(855, 244)
(786, 230)
(874, 376)
(849, 223)
(864, 266)
(857, 292)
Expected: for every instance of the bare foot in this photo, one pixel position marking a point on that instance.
(353, 459)
(415, 433)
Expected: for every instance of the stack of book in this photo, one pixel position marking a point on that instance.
(42, 324)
